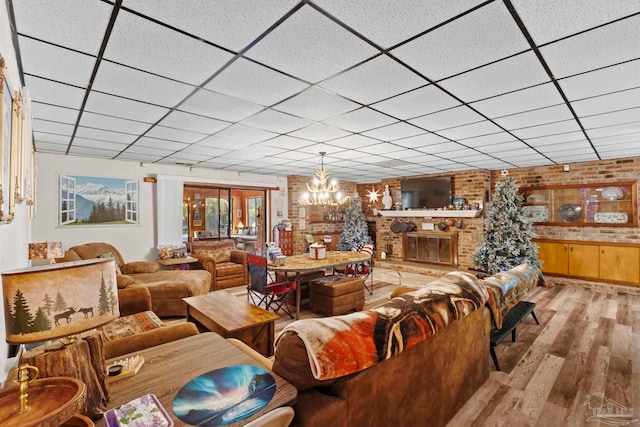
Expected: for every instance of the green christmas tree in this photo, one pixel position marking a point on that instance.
(356, 231)
(507, 232)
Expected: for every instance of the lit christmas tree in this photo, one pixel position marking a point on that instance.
(356, 231)
(507, 232)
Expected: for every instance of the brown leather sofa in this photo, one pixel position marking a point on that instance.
(167, 287)
(227, 266)
(135, 301)
(425, 384)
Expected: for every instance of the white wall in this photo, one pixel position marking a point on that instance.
(135, 242)
(14, 237)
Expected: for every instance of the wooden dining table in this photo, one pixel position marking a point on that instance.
(299, 264)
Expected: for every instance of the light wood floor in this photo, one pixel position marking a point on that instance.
(588, 342)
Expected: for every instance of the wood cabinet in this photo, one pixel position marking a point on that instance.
(610, 262)
(326, 214)
(612, 204)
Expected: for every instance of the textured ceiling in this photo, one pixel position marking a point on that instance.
(385, 88)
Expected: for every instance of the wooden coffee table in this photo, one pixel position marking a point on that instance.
(168, 367)
(233, 317)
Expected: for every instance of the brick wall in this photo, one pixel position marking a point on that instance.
(472, 185)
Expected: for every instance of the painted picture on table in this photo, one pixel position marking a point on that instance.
(88, 200)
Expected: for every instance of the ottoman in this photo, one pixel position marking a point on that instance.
(334, 295)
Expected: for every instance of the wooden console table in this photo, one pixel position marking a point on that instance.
(168, 367)
(233, 317)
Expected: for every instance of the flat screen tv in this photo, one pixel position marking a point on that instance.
(426, 193)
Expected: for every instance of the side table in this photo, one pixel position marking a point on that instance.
(181, 263)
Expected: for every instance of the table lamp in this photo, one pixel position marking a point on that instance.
(52, 301)
(46, 250)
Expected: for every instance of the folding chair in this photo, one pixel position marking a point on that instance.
(364, 270)
(272, 295)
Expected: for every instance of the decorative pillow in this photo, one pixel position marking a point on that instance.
(124, 281)
(131, 325)
(140, 267)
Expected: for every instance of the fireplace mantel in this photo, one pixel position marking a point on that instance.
(432, 213)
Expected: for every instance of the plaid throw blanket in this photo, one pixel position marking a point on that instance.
(508, 287)
(341, 345)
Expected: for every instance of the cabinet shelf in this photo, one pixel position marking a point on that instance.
(612, 204)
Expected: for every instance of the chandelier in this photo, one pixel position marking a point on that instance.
(321, 190)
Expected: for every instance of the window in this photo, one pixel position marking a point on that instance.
(131, 202)
(253, 203)
(217, 213)
(67, 199)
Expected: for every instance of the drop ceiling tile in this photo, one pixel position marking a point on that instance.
(418, 102)
(49, 147)
(608, 103)
(619, 154)
(116, 124)
(555, 139)
(616, 139)
(360, 120)
(515, 73)
(549, 20)
(182, 156)
(394, 131)
(491, 164)
(288, 156)
(484, 140)
(245, 133)
(310, 46)
(523, 163)
(544, 95)
(352, 142)
(579, 147)
(276, 121)
(288, 142)
(594, 49)
(313, 151)
(150, 151)
(446, 119)
(381, 148)
(420, 140)
(535, 117)
(52, 127)
(92, 152)
(386, 23)
(610, 119)
(220, 142)
(53, 113)
(465, 131)
(445, 147)
(600, 82)
(319, 132)
(247, 80)
(316, 104)
(522, 153)
(84, 22)
(193, 122)
(166, 133)
(502, 147)
(480, 37)
(92, 143)
(219, 106)
(48, 92)
(374, 80)
(546, 130)
(160, 50)
(103, 135)
(51, 138)
(126, 82)
(622, 150)
(110, 105)
(162, 144)
(619, 129)
(55, 63)
(237, 23)
(207, 151)
(138, 157)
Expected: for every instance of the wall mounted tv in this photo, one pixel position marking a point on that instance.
(426, 193)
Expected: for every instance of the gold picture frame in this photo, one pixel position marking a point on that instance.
(17, 149)
(6, 194)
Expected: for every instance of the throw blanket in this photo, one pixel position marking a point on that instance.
(341, 345)
(508, 287)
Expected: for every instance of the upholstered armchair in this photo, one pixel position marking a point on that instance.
(227, 266)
